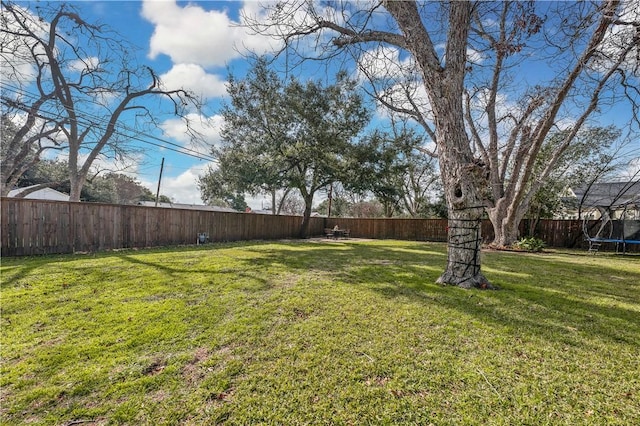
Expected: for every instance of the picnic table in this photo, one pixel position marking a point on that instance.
(336, 233)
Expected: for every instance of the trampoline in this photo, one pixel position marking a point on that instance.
(620, 232)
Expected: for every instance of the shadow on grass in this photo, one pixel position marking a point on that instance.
(254, 281)
(550, 296)
(17, 268)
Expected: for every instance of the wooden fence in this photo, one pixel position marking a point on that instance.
(555, 233)
(32, 227)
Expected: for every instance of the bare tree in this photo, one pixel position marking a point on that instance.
(448, 65)
(22, 147)
(73, 82)
(509, 136)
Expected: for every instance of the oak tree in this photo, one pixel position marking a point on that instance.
(289, 134)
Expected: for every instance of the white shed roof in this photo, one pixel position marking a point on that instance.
(40, 194)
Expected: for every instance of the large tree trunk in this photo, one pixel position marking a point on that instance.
(464, 251)
(464, 181)
(75, 189)
(465, 211)
(76, 178)
(506, 223)
(506, 232)
(505, 229)
(6, 185)
(274, 209)
(463, 178)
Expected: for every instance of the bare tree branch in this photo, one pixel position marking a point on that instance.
(77, 104)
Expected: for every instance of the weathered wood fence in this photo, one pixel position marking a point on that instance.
(555, 233)
(45, 227)
(32, 227)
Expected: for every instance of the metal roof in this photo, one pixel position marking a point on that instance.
(609, 194)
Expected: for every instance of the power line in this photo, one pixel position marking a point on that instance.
(121, 129)
(99, 122)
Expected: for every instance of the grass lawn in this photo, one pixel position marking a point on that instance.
(311, 332)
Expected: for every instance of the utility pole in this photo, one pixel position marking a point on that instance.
(159, 179)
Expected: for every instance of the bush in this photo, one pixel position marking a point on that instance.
(530, 244)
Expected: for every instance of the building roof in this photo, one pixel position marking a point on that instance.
(609, 194)
(187, 206)
(40, 194)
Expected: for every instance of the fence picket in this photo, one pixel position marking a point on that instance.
(32, 227)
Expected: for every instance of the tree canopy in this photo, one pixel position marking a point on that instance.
(287, 134)
(393, 167)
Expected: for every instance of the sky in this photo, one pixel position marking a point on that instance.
(192, 44)
(189, 44)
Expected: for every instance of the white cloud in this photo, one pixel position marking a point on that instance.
(193, 35)
(632, 171)
(183, 187)
(504, 107)
(207, 127)
(194, 78)
(16, 65)
(474, 56)
(565, 123)
(620, 36)
(383, 62)
(277, 20)
(407, 95)
(89, 63)
(397, 78)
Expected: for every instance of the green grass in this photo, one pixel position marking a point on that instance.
(346, 332)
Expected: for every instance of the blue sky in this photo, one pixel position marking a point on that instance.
(196, 44)
(191, 45)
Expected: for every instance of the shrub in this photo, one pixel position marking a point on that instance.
(530, 244)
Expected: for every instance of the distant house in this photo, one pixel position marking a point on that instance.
(269, 211)
(40, 194)
(187, 206)
(260, 211)
(613, 198)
